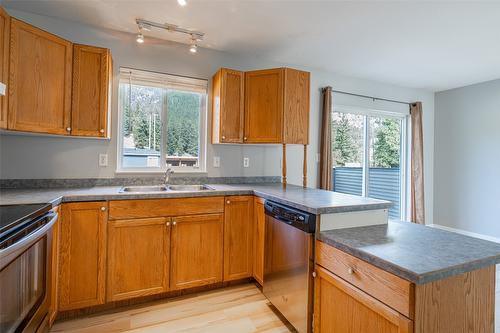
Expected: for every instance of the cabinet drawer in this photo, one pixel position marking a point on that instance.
(386, 287)
(129, 209)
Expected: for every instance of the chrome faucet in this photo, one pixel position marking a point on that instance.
(168, 173)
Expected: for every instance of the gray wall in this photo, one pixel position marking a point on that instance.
(467, 158)
(47, 157)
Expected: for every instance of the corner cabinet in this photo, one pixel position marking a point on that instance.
(4, 63)
(92, 72)
(82, 256)
(138, 257)
(228, 88)
(39, 81)
(238, 237)
(275, 104)
(259, 237)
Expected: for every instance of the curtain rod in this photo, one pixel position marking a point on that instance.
(370, 97)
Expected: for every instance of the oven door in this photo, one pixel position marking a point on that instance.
(25, 277)
(287, 272)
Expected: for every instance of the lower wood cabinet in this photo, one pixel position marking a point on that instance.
(196, 250)
(138, 257)
(238, 237)
(82, 255)
(259, 238)
(341, 307)
(54, 276)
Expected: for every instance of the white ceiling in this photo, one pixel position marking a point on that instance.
(430, 45)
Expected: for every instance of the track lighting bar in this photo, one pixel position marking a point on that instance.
(146, 25)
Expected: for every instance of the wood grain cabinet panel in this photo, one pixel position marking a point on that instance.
(259, 240)
(296, 106)
(340, 307)
(54, 276)
(196, 250)
(39, 80)
(228, 106)
(238, 237)
(91, 93)
(82, 255)
(264, 106)
(138, 257)
(4, 63)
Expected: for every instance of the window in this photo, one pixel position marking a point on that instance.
(162, 122)
(369, 155)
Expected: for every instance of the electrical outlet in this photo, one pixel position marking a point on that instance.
(216, 162)
(103, 160)
(246, 162)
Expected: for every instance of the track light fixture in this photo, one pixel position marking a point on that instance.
(195, 36)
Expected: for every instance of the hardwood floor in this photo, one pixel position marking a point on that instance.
(241, 309)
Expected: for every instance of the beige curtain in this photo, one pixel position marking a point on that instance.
(325, 168)
(417, 164)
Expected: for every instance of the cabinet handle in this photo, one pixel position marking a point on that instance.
(223, 137)
(103, 209)
(228, 202)
(350, 271)
(168, 224)
(245, 138)
(68, 129)
(174, 223)
(101, 130)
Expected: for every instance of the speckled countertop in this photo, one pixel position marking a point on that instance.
(416, 253)
(311, 200)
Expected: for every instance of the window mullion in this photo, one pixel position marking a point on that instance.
(163, 136)
(366, 155)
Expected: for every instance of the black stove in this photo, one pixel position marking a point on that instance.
(13, 217)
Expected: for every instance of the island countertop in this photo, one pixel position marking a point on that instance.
(414, 252)
(314, 201)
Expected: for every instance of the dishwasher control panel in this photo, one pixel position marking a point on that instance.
(289, 215)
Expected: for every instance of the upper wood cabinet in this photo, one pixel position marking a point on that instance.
(259, 240)
(82, 279)
(91, 91)
(276, 106)
(196, 250)
(341, 307)
(228, 88)
(138, 257)
(238, 237)
(4, 63)
(39, 80)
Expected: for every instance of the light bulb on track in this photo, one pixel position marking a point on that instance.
(140, 38)
(182, 2)
(193, 48)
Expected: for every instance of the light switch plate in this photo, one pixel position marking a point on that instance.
(246, 162)
(216, 162)
(103, 160)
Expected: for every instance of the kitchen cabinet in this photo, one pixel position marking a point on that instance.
(259, 240)
(196, 250)
(82, 255)
(54, 273)
(341, 307)
(4, 63)
(138, 257)
(268, 106)
(238, 237)
(39, 81)
(91, 99)
(228, 106)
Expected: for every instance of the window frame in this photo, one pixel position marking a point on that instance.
(404, 157)
(125, 76)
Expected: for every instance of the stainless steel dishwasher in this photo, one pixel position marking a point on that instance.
(288, 263)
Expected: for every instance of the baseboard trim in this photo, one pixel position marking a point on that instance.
(466, 233)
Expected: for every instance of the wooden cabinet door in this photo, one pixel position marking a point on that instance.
(296, 107)
(196, 250)
(264, 106)
(340, 307)
(138, 257)
(91, 83)
(4, 63)
(238, 237)
(259, 240)
(82, 255)
(39, 80)
(228, 88)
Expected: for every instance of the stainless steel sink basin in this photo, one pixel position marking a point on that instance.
(144, 189)
(163, 188)
(189, 188)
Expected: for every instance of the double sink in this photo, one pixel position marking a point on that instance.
(165, 188)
